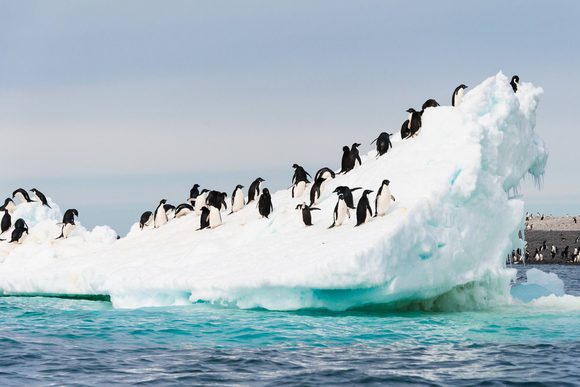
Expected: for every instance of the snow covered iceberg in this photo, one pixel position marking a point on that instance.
(443, 243)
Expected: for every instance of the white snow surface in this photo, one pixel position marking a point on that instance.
(444, 241)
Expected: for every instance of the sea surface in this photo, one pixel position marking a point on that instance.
(51, 341)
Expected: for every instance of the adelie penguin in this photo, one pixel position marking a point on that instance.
(384, 199)
(363, 208)
(204, 218)
(146, 219)
(383, 143)
(8, 206)
(216, 199)
(200, 201)
(238, 200)
(68, 223)
(515, 82)
(6, 222)
(21, 195)
(326, 173)
(39, 196)
(457, 96)
(430, 103)
(160, 216)
(299, 180)
(265, 203)
(306, 216)
(350, 157)
(340, 212)
(316, 189)
(183, 209)
(169, 210)
(414, 122)
(193, 193)
(346, 193)
(20, 228)
(254, 190)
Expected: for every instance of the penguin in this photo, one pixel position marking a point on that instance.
(160, 216)
(22, 195)
(429, 104)
(204, 219)
(238, 200)
(8, 206)
(325, 172)
(515, 82)
(69, 216)
(40, 196)
(405, 130)
(215, 217)
(146, 219)
(362, 207)
(383, 143)
(316, 189)
(6, 222)
(18, 235)
(345, 162)
(193, 193)
(66, 230)
(299, 180)
(341, 211)
(254, 190)
(457, 96)
(183, 209)
(346, 193)
(265, 203)
(169, 210)
(200, 201)
(414, 123)
(384, 199)
(306, 216)
(354, 154)
(350, 157)
(216, 199)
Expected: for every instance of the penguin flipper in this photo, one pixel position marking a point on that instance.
(392, 197)
(355, 188)
(314, 208)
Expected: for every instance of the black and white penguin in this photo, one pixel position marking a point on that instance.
(384, 199)
(414, 122)
(383, 143)
(340, 212)
(354, 154)
(346, 193)
(204, 218)
(265, 203)
(169, 210)
(39, 196)
(345, 161)
(21, 195)
(515, 82)
(68, 223)
(20, 228)
(299, 180)
(8, 206)
(405, 131)
(316, 189)
(146, 219)
(362, 208)
(457, 96)
(200, 201)
(254, 190)
(215, 217)
(429, 104)
(350, 157)
(238, 200)
(183, 209)
(193, 193)
(306, 216)
(160, 216)
(6, 222)
(326, 173)
(216, 199)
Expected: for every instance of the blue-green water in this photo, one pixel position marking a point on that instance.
(54, 341)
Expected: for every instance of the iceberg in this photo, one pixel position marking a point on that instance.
(442, 244)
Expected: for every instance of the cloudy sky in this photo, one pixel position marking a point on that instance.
(108, 106)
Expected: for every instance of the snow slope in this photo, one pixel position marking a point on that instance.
(443, 243)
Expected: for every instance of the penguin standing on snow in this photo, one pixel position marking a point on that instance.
(350, 157)
(146, 219)
(215, 216)
(169, 211)
(362, 208)
(383, 199)
(200, 200)
(345, 161)
(383, 143)
(160, 216)
(40, 197)
(21, 195)
(193, 193)
(457, 96)
(515, 82)
(306, 216)
(414, 123)
(20, 228)
(340, 212)
(216, 199)
(204, 219)
(429, 104)
(346, 193)
(8, 206)
(265, 203)
(316, 189)
(6, 222)
(254, 190)
(68, 223)
(299, 180)
(238, 200)
(326, 173)
(183, 209)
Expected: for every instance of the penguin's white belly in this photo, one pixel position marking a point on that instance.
(67, 229)
(160, 218)
(299, 189)
(199, 203)
(20, 197)
(384, 202)
(11, 207)
(342, 212)
(459, 97)
(238, 202)
(215, 218)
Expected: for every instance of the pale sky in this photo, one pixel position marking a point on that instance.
(108, 106)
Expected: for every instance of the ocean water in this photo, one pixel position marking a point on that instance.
(50, 341)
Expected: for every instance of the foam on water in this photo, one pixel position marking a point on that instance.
(442, 245)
